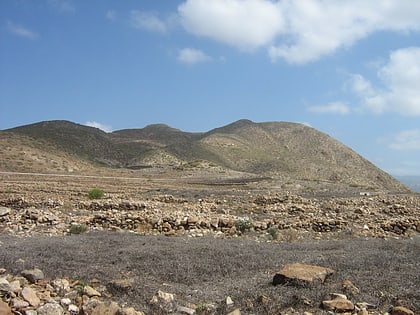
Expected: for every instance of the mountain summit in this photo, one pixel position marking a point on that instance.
(272, 149)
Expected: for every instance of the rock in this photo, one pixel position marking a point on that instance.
(120, 285)
(339, 304)
(108, 308)
(130, 311)
(4, 211)
(229, 301)
(30, 296)
(349, 287)
(166, 297)
(19, 303)
(61, 286)
(50, 309)
(73, 309)
(5, 285)
(185, 310)
(401, 310)
(301, 274)
(33, 275)
(235, 312)
(5, 308)
(89, 291)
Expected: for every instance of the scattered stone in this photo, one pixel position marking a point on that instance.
(235, 312)
(301, 274)
(19, 303)
(33, 275)
(401, 310)
(30, 296)
(130, 311)
(5, 285)
(185, 310)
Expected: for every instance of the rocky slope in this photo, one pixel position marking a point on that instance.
(274, 149)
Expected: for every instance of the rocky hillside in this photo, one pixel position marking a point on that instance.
(273, 149)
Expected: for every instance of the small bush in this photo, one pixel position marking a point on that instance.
(78, 228)
(96, 193)
(243, 224)
(274, 232)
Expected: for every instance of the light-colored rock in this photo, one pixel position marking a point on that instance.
(33, 275)
(338, 304)
(73, 309)
(229, 301)
(235, 312)
(19, 303)
(349, 287)
(301, 274)
(401, 310)
(5, 308)
(166, 297)
(50, 309)
(5, 285)
(4, 211)
(30, 296)
(185, 310)
(61, 285)
(107, 308)
(130, 311)
(89, 291)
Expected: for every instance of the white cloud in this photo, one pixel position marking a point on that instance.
(20, 30)
(296, 31)
(111, 15)
(192, 56)
(62, 6)
(147, 21)
(400, 77)
(331, 108)
(98, 125)
(406, 140)
(246, 24)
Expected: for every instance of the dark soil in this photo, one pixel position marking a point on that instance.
(207, 270)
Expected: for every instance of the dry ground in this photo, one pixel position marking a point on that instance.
(207, 270)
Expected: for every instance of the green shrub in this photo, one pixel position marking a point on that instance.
(274, 232)
(78, 228)
(243, 224)
(96, 193)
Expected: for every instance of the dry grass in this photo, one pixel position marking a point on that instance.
(206, 271)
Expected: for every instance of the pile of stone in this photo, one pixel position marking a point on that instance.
(374, 216)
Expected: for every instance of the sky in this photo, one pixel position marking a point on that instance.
(349, 68)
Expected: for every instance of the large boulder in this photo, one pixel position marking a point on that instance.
(301, 274)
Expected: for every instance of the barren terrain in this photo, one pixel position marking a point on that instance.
(206, 239)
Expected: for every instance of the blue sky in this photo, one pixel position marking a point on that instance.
(349, 68)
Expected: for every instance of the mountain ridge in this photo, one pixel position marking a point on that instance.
(275, 149)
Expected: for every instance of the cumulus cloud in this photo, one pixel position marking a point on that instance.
(406, 140)
(148, 21)
(246, 24)
(20, 30)
(296, 31)
(192, 56)
(400, 78)
(331, 108)
(98, 125)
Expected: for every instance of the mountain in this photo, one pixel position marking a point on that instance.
(272, 149)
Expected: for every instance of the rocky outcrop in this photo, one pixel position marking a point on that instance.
(301, 274)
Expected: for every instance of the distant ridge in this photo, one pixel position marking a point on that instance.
(276, 149)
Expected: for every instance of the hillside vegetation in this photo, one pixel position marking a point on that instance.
(271, 149)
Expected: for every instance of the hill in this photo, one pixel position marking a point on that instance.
(272, 149)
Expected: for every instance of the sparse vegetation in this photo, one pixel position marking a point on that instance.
(244, 224)
(96, 193)
(78, 228)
